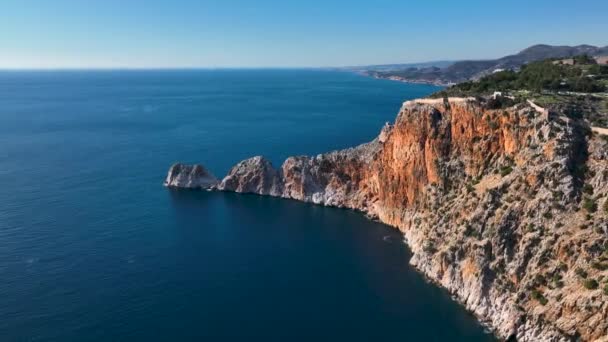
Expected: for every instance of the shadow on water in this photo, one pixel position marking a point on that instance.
(300, 271)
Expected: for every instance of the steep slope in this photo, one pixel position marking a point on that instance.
(507, 209)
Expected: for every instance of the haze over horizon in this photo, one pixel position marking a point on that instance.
(239, 34)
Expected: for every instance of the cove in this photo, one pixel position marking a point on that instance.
(95, 249)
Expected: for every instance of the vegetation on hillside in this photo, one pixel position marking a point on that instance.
(546, 75)
(578, 90)
(462, 71)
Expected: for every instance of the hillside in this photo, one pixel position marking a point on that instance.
(578, 90)
(462, 71)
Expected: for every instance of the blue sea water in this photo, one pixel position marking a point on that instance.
(93, 248)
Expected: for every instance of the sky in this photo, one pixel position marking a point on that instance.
(265, 33)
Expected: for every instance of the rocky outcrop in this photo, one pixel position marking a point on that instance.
(507, 209)
(254, 175)
(189, 176)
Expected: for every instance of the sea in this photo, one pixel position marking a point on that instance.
(94, 248)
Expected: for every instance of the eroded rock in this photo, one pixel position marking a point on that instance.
(190, 176)
(503, 208)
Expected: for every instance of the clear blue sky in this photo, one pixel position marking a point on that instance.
(267, 33)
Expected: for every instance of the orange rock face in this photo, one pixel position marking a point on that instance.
(428, 140)
(500, 207)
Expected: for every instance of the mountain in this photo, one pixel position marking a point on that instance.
(474, 69)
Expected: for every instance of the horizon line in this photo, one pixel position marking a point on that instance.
(153, 68)
(342, 66)
(128, 68)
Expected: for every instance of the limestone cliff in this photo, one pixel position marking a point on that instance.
(507, 209)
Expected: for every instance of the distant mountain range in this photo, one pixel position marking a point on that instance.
(445, 72)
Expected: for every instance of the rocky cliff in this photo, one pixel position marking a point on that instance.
(507, 209)
(190, 177)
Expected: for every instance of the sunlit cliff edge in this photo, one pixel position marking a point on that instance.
(505, 208)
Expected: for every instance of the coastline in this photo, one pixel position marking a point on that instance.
(412, 81)
(400, 192)
(401, 79)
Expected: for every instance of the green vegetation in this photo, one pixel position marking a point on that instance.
(606, 289)
(590, 205)
(539, 297)
(557, 195)
(505, 170)
(548, 75)
(581, 273)
(593, 107)
(539, 279)
(591, 284)
(602, 266)
(530, 228)
(584, 59)
(597, 69)
(557, 280)
(470, 188)
(471, 232)
(546, 100)
(578, 91)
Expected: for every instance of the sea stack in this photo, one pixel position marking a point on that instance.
(189, 177)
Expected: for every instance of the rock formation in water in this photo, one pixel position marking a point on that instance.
(507, 209)
(190, 177)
